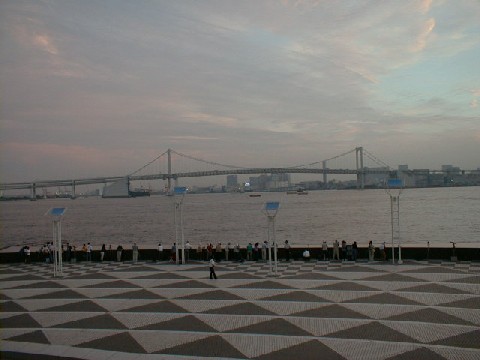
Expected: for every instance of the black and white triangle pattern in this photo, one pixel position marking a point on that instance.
(341, 311)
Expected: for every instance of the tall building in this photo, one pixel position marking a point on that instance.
(232, 182)
(272, 182)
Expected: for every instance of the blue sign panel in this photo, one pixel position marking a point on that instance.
(57, 211)
(395, 183)
(273, 205)
(180, 190)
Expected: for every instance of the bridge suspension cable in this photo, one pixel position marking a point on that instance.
(149, 163)
(318, 162)
(345, 153)
(208, 162)
(375, 159)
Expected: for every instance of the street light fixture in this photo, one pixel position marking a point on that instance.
(270, 210)
(179, 193)
(394, 189)
(57, 214)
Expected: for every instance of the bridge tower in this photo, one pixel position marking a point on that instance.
(324, 165)
(33, 194)
(169, 178)
(73, 189)
(360, 170)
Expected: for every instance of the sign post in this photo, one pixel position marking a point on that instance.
(57, 214)
(394, 189)
(270, 210)
(179, 194)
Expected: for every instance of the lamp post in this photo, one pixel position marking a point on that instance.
(179, 194)
(394, 189)
(57, 214)
(270, 210)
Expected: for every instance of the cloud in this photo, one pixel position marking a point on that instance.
(422, 38)
(210, 118)
(34, 153)
(475, 94)
(193, 138)
(229, 80)
(45, 43)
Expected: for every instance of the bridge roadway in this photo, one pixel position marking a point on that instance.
(244, 171)
(111, 179)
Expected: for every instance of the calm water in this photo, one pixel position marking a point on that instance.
(436, 215)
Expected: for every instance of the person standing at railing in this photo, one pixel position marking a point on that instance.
(119, 253)
(336, 250)
(287, 251)
(89, 252)
(135, 252)
(102, 252)
(249, 251)
(354, 251)
(159, 252)
(371, 251)
(325, 250)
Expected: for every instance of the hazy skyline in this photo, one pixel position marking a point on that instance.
(91, 88)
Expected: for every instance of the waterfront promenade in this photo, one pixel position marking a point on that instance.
(312, 310)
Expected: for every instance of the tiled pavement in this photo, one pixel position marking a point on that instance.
(310, 310)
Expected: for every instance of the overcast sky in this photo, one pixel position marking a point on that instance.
(92, 88)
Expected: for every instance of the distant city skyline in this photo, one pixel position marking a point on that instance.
(374, 177)
(98, 88)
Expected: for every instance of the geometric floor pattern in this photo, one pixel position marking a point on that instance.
(312, 310)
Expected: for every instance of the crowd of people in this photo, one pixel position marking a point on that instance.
(345, 252)
(340, 251)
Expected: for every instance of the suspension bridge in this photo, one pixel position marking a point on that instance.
(162, 168)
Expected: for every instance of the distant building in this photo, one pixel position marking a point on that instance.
(377, 179)
(421, 177)
(450, 169)
(278, 182)
(311, 185)
(406, 175)
(232, 183)
(273, 182)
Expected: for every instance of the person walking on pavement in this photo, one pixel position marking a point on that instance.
(212, 269)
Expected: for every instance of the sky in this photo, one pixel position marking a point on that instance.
(99, 88)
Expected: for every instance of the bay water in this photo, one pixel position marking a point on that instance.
(435, 215)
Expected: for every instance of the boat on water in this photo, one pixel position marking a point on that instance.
(139, 192)
(297, 192)
(254, 195)
(121, 189)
